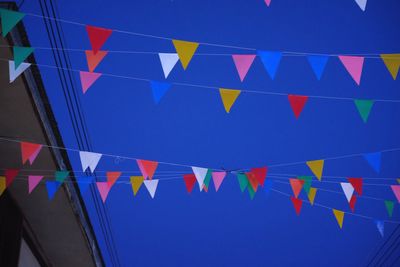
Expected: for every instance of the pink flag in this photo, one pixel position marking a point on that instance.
(267, 2)
(87, 79)
(33, 181)
(354, 66)
(243, 64)
(218, 177)
(104, 189)
(396, 191)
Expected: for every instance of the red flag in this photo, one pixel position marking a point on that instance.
(260, 174)
(352, 202)
(97, 37)
(297, 203)
(94, 59)
(10, 174)
(190, 180)
(29, 151)
(252, 180)
(297, 185)
(112, 177)
(357, 184)
(297, 103)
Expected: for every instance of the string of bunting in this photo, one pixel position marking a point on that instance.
(362, 4)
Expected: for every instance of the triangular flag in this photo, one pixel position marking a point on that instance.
(354, 66)
(339, 215)
(307, 183)
(190, 180)
(251, 191)
(147, 168)
(2, 184)
(29, 151)
(297, 203)
(374, 159)
(243, 182)
(94, 59)
(159, 89)
(392, 62)
(218, 177)
(364, 107)
(20, 54)
(87, 79)
(381, 226)
(84, 183)
(243, 64)
(15, 72)
(228, 97)
(10, 175)
(357, 183)
(253, 181)
(97, 37)
(136, 182)
(151, 186)
(352, 202)
(200, 174)
(348, 190)
(271, 60)
(260, 174)
(318, 64)
(207, 180)
(267, 2)
(33, 181)
(61, 176)
(296, 185)
(89, 160)
(52, 187)
(268, 186)
(297, 103)
(316, 166)
(112, 177)
(311, 195)
(389, 207)
(396, 191)
(9, 19)
(168, 62)
(104, 189)
(362, 4)
(185, 51)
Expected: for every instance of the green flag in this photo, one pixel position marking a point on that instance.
(61, 175)
(307, 182)
(389, 206)
(252, 193)
(243, 182)
(364, 107)
(20, 54)
(207, 179)
(9, 19)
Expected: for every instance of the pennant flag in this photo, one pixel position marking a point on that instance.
(168, 62)
(16, 72)
(316, 166)
(318, 64)
(251, 191)
(311, 195)
(9, 19)
(87, 79)
(136, 182)
(297, 103)
(207, 180)
(112, 177)
(392, 63)
(61, 176)
(159, 89)
(33, 181)
(190, 180)
(389, 207)
(97, 37)
(2, 184)
(339, 215)
(243, 64)
(89, 160)
(151, 186)
(381, 226)
(185, 51)
(362, 4)
(147, 168)
(348, 190)
(218, 177)
(29, 151)
(253, 181)
(93, 59)
(296, 185)
(267, 2)
(104, 189)
(307, 183)
(352, 202)
(395, 189)
(52, 188)
(354, 66)
(84, 183)
(10, 175)
(20, 54)
(229, 97)
(297, 203)
(200, 174)
(268, 186)
(270, 60)
(364, 107)
(374, 159)
(357, 183)
(260, 174)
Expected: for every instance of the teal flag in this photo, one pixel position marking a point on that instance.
(20, 54)
(364, 108)
(9, 19)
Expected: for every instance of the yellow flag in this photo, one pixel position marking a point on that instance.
(392, 62)
(229, 97)
(316, 167)
(185, 51)
(2, 184)
(311, 194)
(339, 215)
(136, 182)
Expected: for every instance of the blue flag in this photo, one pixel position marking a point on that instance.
(52, 187)
(374, 159)
(318, 64)
(84, 183)
(159, 89)
(271, 60)
(381, 226)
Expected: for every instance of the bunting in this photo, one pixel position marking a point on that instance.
(260, 174)
(228, 97)
(348, 190)
(190, 180)
(9, 19)
(151, 186)
(88, 79)
(267, 2)
(61, 176)
(136, 182)
(94, 59)
(168, 62)
(316, 166)
(20, 54)
(339, 215)
(270, 60)
(243, 64)
(159, 89)
(318, 64)
(297, 103)
(251, 192)
(33, 181)
(396, 191)
(14, 73)
(297, 203)
(207, 180)
(253, 181)
(200, 174)
(311, 195)
(296, 185)
(52, 188)
(374, 159)
(84, 183)
(147, 168)
(362, 4)
(352, 202)
(307, 183)
(381, 226)
(97, 37)
(89, 160)
(389, 207)
(364, 107)
(112, 177)
(29, 151)
(243, 182)
(104, 189)
(392, 63)
(218, 177)
(357, 183)
(185, 51)
(2, 184)
(10, 175)
(354, 66)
